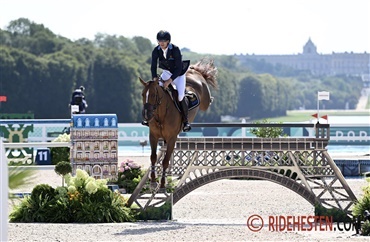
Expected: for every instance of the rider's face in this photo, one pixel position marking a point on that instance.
(163, 43)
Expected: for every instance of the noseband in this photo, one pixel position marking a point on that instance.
(149, 108)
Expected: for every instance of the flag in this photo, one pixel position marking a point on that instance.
(2, 98)
(314, 115)
(323, 96)
(325, 117)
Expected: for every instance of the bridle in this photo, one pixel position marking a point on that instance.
(149, 108)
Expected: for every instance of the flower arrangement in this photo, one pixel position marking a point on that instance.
(82, 181)
(84, 200)
(129, 175)
(63, 138)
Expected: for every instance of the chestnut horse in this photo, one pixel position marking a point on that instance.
(165, 120)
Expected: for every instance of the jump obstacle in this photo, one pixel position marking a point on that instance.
(301, 164)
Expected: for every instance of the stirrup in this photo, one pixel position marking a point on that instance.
(186, 127)
(145, 123)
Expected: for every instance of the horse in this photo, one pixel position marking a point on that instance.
(163, 117)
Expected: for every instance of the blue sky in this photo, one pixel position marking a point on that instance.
(209, 26)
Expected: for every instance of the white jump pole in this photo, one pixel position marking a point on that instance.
(3, 194)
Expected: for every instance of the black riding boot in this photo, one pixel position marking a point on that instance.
(184, 109)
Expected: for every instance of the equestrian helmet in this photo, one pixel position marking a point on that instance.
(164, 35)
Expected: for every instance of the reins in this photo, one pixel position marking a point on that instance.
(153, 107)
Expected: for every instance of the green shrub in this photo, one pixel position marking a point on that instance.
(365, 228)
(361, 205)
(266, 132)
(34, 208)
(86, 200)
(337, 214)
(156, 213)
(42, 192)
(59, 154)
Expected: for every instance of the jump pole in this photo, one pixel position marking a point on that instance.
(3, 194)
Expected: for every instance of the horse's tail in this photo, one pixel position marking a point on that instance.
(208, 70)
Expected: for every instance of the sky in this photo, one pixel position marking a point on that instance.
(221, 27)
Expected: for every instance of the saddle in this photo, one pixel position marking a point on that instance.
(192, 99)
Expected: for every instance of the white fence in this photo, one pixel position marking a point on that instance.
(3, 194)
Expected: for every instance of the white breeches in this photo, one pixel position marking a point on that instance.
(179, 82)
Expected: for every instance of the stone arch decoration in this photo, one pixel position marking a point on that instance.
(244, 173)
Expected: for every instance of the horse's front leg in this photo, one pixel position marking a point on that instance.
(153, 158)
(166, 160)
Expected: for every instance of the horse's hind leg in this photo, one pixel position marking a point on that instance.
(153, 159)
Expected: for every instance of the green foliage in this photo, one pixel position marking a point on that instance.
(41, 69)
(156, 213)
(266, 132)
(361, 206)
(19, 176)
(86, 200)
(365, 228)
(337, 214)
(364, 202)
(63, 168)
(42, 192)
(59, 154)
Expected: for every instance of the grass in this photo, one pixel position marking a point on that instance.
(306, 115)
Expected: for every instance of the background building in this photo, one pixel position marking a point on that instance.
(320, 64)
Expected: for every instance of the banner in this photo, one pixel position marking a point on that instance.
(323, 96)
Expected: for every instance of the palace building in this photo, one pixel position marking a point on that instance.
(347, 63)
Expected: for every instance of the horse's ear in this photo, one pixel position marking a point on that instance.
(142, 81)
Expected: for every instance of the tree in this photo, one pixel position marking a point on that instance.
(144, 45)
(267, 132)
(63, 168)
(250, 103)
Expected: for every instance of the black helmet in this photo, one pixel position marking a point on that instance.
(163, 35)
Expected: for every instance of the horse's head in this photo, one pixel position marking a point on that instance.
(150, 97)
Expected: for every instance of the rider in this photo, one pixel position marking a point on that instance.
(170, 61)
(78, 98)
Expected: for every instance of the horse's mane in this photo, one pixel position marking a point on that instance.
(208, 70)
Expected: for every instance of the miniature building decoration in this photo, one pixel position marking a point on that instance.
(94, 139)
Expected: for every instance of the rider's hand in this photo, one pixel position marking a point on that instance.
(166, 83)
(155, 79)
